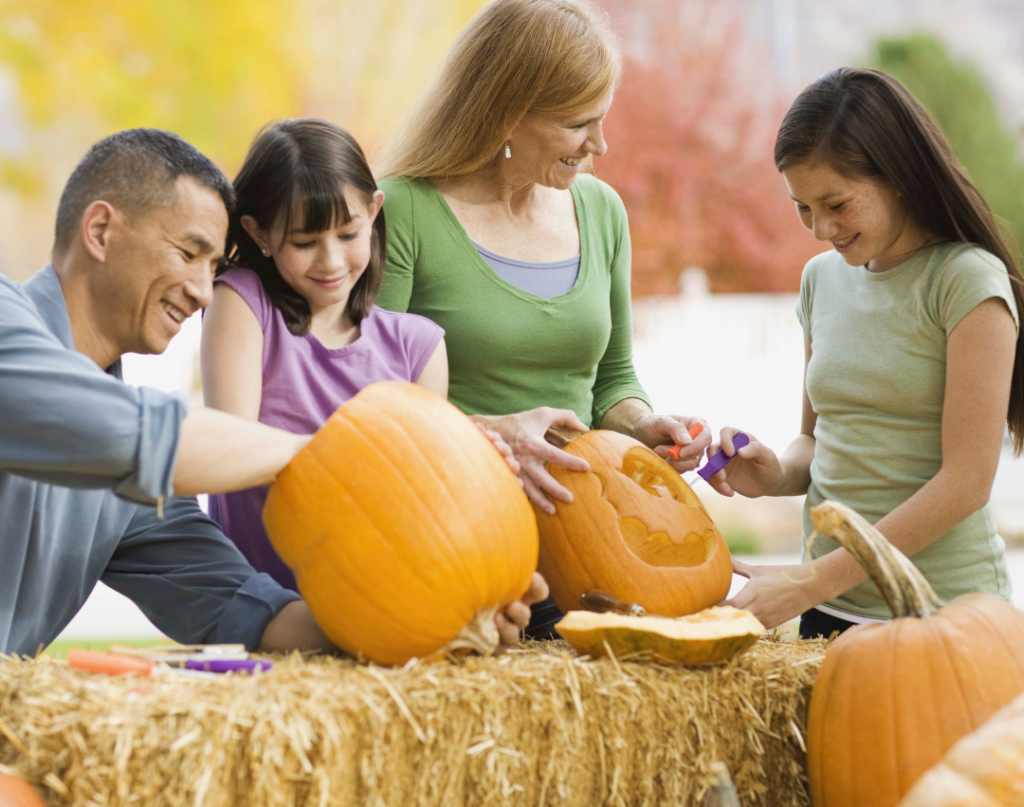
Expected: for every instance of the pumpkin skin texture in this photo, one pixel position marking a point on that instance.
(892, 698)
(16, 792)
(708, 637)
(634, 530)
(984, 769)
(404, 525)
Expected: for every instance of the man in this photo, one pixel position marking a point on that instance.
(83, 457)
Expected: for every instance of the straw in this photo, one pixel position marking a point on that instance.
(536, 726)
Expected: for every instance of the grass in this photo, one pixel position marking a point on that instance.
(59, 649)
(742, 542)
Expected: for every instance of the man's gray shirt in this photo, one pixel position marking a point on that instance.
(73, 436)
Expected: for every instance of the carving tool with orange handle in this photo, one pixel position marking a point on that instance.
(693, 431)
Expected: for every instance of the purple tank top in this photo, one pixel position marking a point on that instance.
(303, 383)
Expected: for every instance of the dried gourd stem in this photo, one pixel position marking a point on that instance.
(561, 436)
(481, 634)
(903, 587)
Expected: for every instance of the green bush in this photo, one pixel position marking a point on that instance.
(959, 98)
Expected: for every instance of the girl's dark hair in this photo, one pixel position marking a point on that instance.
(300, 168)
(864, 123)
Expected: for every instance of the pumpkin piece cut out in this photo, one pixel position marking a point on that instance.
(635, 529)
(713, 635)
(405, 527)
(891, 698)
(16, 792)
(984, 769)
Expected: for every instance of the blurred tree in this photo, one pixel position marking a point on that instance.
(213, 72)
(959, 99)
(690, 140)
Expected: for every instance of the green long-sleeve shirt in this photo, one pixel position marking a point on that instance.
(509, 350)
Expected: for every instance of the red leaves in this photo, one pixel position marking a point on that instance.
(690, 139)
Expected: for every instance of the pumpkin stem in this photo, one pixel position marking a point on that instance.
(481, 634)
(903, 587)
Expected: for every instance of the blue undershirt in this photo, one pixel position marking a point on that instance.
(545, 280)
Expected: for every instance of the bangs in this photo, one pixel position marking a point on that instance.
(316, 203)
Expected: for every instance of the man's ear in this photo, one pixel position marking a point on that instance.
(256, 233)
(96, 229)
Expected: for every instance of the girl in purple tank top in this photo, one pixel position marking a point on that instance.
(292, 332)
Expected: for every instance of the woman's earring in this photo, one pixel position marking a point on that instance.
(264, 253)
(508, 151)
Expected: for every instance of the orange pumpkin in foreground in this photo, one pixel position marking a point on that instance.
(16, 792)
(891, 698)
(634, 530)
(404, 526)
(984, 769)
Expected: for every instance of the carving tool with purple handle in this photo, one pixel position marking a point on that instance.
(717, 462)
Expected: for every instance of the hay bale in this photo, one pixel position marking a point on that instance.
(537, 726)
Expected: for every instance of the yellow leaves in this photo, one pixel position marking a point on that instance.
(214, 72)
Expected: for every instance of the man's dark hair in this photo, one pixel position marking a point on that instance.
(135, 171)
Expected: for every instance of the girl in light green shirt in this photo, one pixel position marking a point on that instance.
(913, 355)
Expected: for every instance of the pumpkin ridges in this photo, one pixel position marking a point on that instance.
(357, 597)
(411, 572)
(505, 519)
(381, 543)
(458, 552)
(948, 667)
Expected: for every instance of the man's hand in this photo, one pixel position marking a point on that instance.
(294, 629)
(513, 620)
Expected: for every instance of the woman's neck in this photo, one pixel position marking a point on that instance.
(492, 185)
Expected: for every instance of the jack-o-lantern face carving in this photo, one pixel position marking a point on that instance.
(634, 530)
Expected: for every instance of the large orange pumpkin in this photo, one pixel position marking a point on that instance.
(15, 792)
(634, 530)
(891, 698)
(983, 769)
(404, 526)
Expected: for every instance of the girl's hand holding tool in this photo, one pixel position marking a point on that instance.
(754, 471)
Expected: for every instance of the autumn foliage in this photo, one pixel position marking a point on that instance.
(690, 139)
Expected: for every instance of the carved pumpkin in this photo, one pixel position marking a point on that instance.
(16, 792)
(404, 526)
(984, 769)
(709, 636)
(892, 698)
(634, 530)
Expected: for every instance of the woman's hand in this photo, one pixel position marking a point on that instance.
(776, 594)
(754, 471)
(661, 432)
(524, 432)
(513, 620)
(503, 448)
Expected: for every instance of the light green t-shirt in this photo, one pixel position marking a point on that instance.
(509, 350)
(877, 380)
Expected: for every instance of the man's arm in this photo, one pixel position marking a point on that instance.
(64, 421)
(193, 583)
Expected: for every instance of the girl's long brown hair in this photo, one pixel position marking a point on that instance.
(864, 123)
